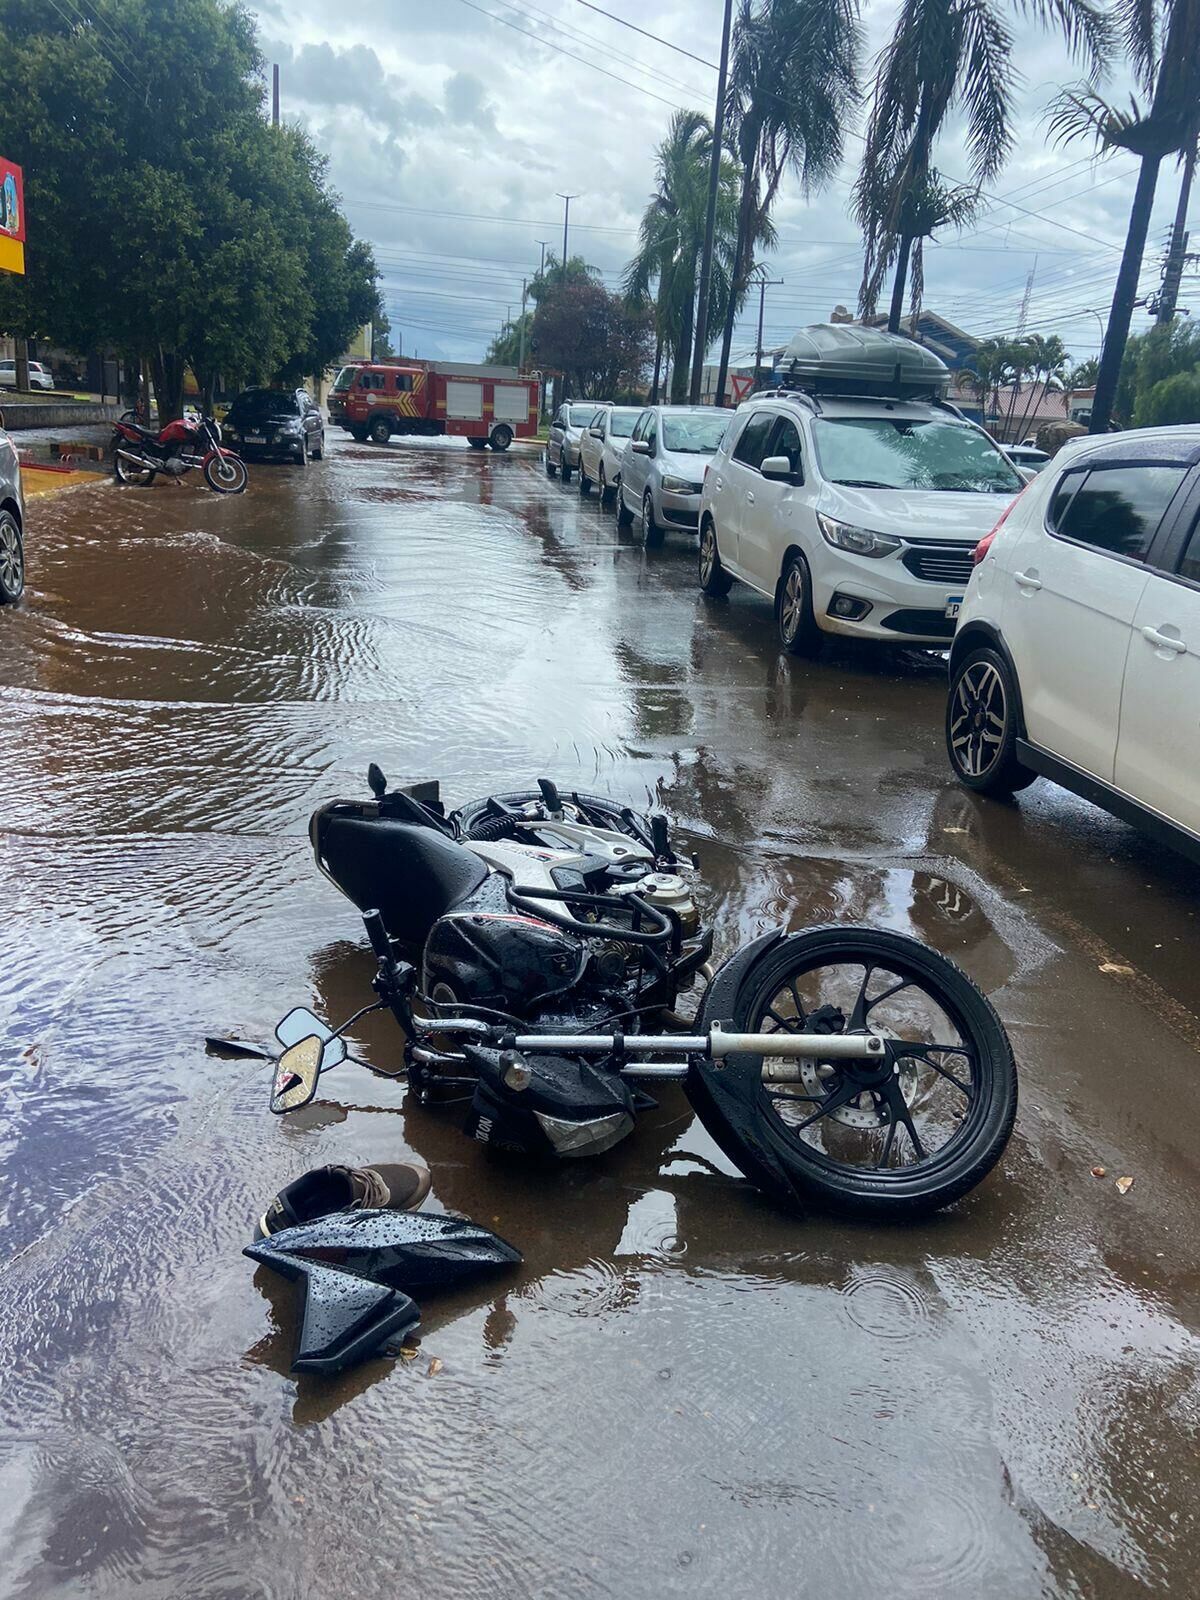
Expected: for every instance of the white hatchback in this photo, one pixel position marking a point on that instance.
(601, 447)
(1077, 654)
(854, 516)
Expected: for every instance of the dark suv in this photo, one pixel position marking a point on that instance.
(275, 422)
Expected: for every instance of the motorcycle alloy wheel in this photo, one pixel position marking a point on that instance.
(890, 1142)
(225, 473)
(127, 472)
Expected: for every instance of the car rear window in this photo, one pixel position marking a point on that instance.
(1114, 509)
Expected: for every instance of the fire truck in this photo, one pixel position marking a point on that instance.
(483, 404)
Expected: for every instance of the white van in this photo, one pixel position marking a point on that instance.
(853, 500)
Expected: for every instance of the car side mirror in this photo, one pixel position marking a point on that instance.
(781, 470)
(640, 447)
(596, 433)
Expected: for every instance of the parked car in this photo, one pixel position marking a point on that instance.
(1077, 654)
(601, 446)
(275, 422)
(39, 377)
(1026, 456)
(566, 430)
(853, 516)
(12, 524)
(662, 468)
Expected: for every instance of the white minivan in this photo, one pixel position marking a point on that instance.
(854, 513)
(1077, 654)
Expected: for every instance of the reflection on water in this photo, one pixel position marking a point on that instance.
(999, 1402)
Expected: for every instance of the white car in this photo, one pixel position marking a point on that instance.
(601, 447)
(663, 466)
(566, 430)
(1077, 654)
(1026, 456)
(854, 516)
(39, 378)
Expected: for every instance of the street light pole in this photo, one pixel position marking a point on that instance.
(521, 352)
(710, 218)
(566, 200)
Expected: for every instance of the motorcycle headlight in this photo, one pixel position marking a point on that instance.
(673, 485)
(859, 541)
(585, 1138)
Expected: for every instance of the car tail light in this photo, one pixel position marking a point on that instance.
(985, 544)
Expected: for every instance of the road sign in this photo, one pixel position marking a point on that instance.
(740, 385)
(12, 217)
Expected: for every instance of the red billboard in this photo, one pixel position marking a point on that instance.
(12, 217)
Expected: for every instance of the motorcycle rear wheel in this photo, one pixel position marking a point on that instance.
(126, 472)
(936, 1128)
(226, 474)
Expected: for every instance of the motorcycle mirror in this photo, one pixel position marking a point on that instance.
(376, 781)
(296, 1075)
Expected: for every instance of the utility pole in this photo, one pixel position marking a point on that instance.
(275, 95)
(521, 348)
(545, 244)
(566, 200)
(764, 283)
(710, 218)
(1177, 250)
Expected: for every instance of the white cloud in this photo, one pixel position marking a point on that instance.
(431, 108)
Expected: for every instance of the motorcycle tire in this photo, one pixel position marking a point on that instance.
(968, 1085)
(136, 477)
(226, 474)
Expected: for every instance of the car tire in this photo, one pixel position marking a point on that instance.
(652, 534)
(12, 560)
(714, 580)
(501, 437)
(319, 453)
(604, 488)
(358, 433)
(565, 468)
(982, 725)
(301, 456)
(551, 469)
(585, 483)
(477, 444)
(798, 631)
(624, 515)
(380, 431)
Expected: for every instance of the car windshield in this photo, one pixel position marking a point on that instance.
(266, 403)
(882, 453)
(621, 423)
(580, 416)
(345, 378)
(696, 434)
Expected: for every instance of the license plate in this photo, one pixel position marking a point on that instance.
(953, 604)
(255, 438)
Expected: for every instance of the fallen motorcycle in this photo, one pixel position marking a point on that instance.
(140, 453)
(529, 944)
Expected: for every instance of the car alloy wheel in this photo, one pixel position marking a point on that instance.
(12, 560)
(978, 719)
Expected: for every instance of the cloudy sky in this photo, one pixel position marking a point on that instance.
(454, 125)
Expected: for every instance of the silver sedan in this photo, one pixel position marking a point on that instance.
(662, 468)
(12, 524)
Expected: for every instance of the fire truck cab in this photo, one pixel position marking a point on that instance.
(483, 404)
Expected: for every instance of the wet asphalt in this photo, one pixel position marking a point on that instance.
(682, 1391)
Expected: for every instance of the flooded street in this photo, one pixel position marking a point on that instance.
(682, 1391)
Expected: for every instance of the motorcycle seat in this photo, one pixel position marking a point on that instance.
(412, 875)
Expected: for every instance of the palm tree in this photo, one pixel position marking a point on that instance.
(671, 238)
(924, 205)
(1047, 363)
(1163, 41)
(945, 55)
(793, 78)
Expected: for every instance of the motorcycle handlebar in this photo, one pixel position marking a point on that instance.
(377, 933)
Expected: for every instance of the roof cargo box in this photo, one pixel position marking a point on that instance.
(841, 358)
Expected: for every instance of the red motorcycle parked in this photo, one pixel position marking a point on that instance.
(140, 454)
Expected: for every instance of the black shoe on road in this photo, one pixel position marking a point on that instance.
(397, 1186)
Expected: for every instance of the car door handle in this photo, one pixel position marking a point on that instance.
(749, 497)
(720, 483)
(1164, 641)
(1027, 580)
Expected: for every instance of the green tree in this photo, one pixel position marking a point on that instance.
(169, 220)
(944, 56)
(793, 80)
(1152, 359)
(665, 270)
(1162, 38)
(1173, 400)
(599, 341)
